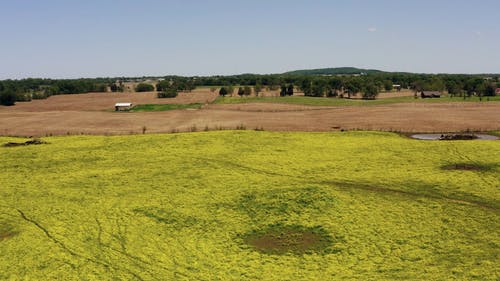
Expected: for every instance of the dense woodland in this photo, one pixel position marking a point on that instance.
(368, 85)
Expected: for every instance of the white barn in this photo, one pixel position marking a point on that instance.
(123, 106)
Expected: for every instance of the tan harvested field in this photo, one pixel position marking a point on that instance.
(402, 93)
(106, 101)
(93, 114)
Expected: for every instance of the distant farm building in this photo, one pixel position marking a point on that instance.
(430, 94)
(397, 87)
(123, 106)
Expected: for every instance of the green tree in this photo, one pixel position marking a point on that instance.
(454, 88)
(8, 98)
(223, 92)
(472, 84)
(418, 85)
(283, 91)
(480, 90)
(336, 84)
(115, 88)
(257, 89)
(144, 87)
(490, 90)
(352, 87)
(436, 84)
(289, 90)
(168, 93)
(162, 85)
(101, 88)
(319, 88)
(388, 85)
(306, 86)
(370, 92)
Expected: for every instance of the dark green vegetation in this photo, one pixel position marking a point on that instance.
(469, 166)
(223, 91)
(466, 136)
(29, 142)
(144, 87)
(334, 71)
(8, 98)
(180, 84)
(28, 89)
(163, 107)
(167, 93)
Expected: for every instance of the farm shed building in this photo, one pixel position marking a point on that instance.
(123, 106)
(430, 94)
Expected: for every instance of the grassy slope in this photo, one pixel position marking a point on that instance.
(174, 206)
(340, 102)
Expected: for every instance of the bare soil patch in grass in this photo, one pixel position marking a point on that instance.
(280, 239)
(6, 235)
(7, 231)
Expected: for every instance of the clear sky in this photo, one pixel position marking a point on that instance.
(102, 38)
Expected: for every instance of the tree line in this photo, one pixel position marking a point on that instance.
(368, 85)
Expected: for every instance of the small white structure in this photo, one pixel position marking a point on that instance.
(397, 87)
(123, 106)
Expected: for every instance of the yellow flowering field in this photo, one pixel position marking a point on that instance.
(248, 205)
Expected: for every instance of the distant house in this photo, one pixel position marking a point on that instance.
(123, 106)
(430, 94)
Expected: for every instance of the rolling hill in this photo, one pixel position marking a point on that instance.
(333, 71)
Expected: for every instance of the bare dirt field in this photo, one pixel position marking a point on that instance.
(93, 114)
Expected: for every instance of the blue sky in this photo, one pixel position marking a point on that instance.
(101, 38)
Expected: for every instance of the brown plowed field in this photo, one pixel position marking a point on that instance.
(93, 114)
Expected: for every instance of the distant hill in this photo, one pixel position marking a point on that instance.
(333, 71)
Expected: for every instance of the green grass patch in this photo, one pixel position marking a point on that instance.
(318, 101)
(164, 107)
(248, 205)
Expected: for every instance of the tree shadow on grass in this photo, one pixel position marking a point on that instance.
(419, 190)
